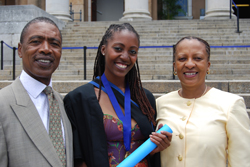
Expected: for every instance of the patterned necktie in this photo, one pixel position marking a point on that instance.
(55, 128)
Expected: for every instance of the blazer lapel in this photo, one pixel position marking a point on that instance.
(28, 116)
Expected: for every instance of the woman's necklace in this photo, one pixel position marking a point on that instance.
(197, 97)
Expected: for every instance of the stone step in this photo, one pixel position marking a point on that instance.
(156, 33)
(90, 71)
(160, 28)
(157, 24)
(161, 59)
(214, 59)
(82, 41)
(87, 37)
(217, 33)
(215, 64)
(156, 63)
(75, 74)
(155, 43)
(234, 72)
(142, 66)
(228, 77)
(221, 49)
(90, 66)
(230, 62)
(168, 53)
(174, 36)
(163, 35)
(159, 87)
(147, 61)
(166, 23)
(89, 76)
(230, 66)
(214, 74)
(216, 53)
(161, 41)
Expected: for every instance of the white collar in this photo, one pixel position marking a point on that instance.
(32, 86)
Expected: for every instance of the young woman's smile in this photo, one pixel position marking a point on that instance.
(120, 54)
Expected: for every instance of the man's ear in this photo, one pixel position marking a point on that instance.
(20, 50)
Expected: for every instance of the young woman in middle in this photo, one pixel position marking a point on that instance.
(113, 115)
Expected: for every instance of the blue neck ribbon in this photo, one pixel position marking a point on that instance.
(113, 86)
(126, 119)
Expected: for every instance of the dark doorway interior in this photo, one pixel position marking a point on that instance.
(8, 2)
(244, 10)
(93, 10)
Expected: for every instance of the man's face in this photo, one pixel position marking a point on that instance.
(41, 51)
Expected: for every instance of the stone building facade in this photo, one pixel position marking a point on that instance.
(114, 10)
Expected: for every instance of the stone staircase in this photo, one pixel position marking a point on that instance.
(156, 63)
(227, 64)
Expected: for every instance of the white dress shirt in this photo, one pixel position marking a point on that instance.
(38, 97)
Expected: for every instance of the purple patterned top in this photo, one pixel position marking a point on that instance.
(116, 149)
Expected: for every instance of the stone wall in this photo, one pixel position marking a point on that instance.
(12, 20)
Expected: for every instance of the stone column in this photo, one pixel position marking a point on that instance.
(190, 9)
(58, 8)
(89, 10)
(218, 9)
(136, 10)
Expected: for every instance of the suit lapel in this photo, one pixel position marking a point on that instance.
(28, 116)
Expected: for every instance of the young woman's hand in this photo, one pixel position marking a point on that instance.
(162, 140)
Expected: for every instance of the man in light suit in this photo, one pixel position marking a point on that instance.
(24, 107)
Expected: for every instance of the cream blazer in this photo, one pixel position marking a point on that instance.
(206, 131)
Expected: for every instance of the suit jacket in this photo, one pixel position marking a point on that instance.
(24, 141)
(86, 117)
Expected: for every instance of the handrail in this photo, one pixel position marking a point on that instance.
(238, 15)
(1, 55)
(72, 13)
(85, 54)
(14, 64)
(12, 48)
(84, 61)
(230, 7)
(173, 63)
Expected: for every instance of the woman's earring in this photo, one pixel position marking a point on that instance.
(103, 54)
(208, 71)
(175, 73)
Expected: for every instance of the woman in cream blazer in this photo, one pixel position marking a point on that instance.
(210, 126)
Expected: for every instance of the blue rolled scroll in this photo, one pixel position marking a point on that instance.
(142, 151)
